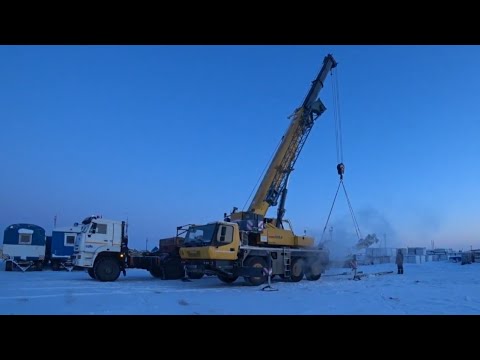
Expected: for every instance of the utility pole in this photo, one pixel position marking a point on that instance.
(146, 245)
(55, 221)
(331, 233)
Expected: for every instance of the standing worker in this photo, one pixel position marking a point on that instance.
(354, 266)
(399, 261)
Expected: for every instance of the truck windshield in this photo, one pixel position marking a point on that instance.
(200, 235)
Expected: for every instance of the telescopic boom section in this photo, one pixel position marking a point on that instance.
(275, 179)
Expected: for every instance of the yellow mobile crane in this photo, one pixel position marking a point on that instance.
(249, 244)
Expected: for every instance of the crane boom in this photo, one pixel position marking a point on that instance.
(275, 180)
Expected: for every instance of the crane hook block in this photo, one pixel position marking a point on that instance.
(341, 170)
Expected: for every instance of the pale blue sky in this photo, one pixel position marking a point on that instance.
(169, 135)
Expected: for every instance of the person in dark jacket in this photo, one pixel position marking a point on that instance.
(399, 261)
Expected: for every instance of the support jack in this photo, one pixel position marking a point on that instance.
(268, 287)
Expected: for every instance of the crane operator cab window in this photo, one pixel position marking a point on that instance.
(200, 235)
(225, 235)
(211, 234)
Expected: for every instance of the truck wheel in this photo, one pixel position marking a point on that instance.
(256, 262)
(297, 272)
(195, 275)
(172, 268)
(8, 266)
(107, 269)
(227, 279)
(314, 271)
(157, 272)
(91, 273)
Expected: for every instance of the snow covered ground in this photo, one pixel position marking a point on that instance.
(428, 288)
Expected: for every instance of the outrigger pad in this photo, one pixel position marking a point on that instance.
(269, 288)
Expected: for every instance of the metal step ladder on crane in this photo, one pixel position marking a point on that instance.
(287, 262)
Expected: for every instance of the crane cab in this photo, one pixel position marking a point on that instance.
(212, 241)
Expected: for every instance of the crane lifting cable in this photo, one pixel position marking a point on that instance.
(340, 164)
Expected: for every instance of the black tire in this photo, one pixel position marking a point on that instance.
(55, 266)
(314, 271)
(91, 273)
(8, 266)
(227, 279)
(106, 269)
(298, 270)
(157, 272)
(195, 275)
(172, 268)
(256, 262)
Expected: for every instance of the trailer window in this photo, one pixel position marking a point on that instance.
(24, 239)
(225, 234)
(101, 228)
(69, 239)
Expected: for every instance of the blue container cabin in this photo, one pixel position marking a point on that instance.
(61, 248)
(24, 247)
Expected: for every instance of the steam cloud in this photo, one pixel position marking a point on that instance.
(341, 238)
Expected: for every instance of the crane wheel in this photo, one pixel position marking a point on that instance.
(256, 262)
(227, 279)
(298, 268)
(314, 271)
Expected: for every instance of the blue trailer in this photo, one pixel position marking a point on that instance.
(24, 247)
(61, 247)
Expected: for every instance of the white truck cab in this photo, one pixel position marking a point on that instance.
(101, 247)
